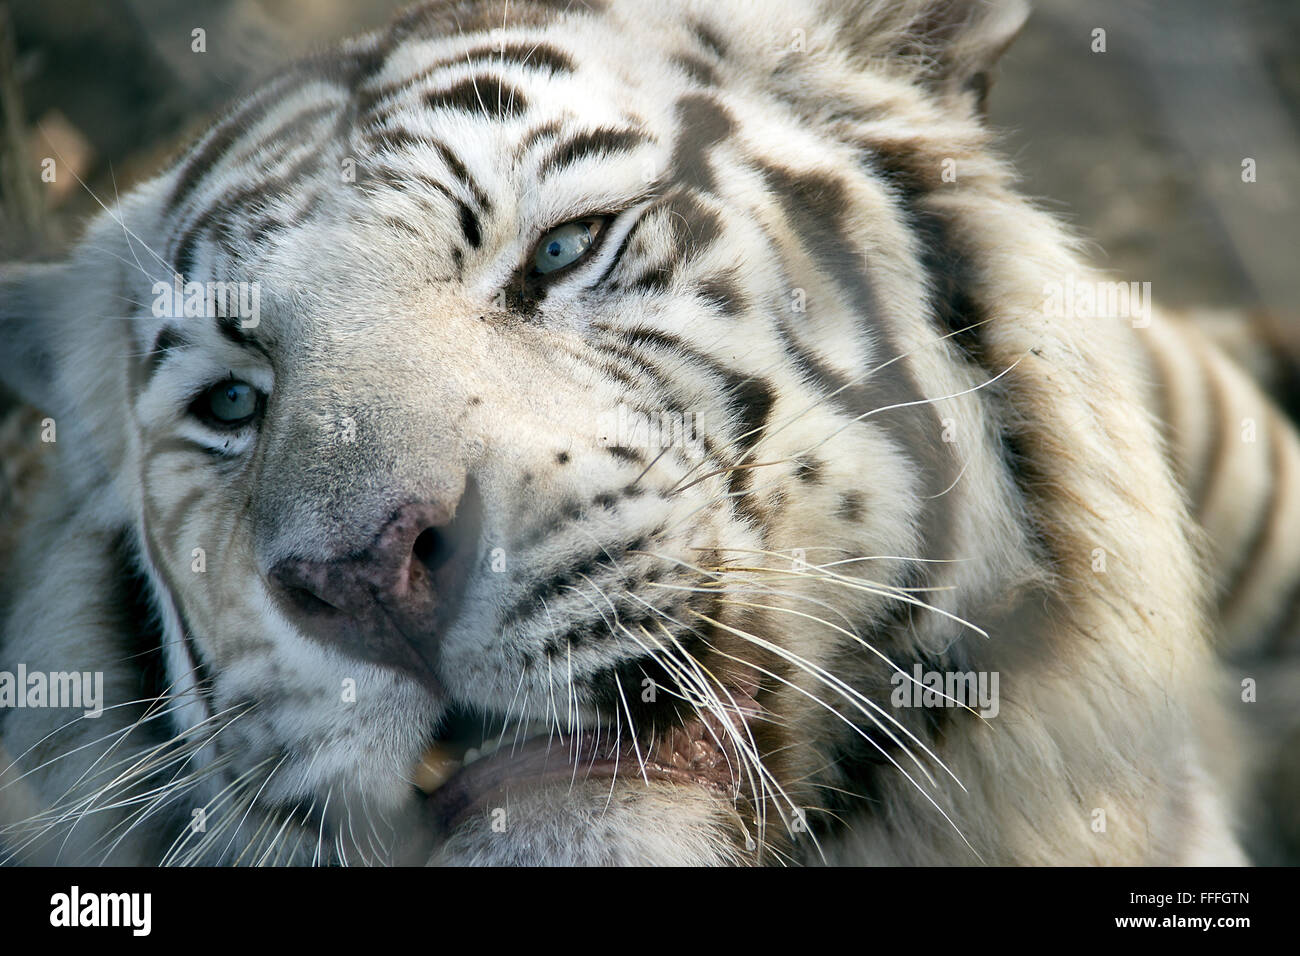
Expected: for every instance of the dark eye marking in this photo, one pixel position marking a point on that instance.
(622, 248)
(557, 252)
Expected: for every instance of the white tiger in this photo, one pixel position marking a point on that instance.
(549, 432)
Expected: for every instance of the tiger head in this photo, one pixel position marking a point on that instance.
(556, 432)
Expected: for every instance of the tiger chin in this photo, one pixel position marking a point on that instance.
(578, 433)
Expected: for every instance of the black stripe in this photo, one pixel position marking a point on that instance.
(654, 279)
(441, 20)
(543, 591)
(810, 471)
(202, 161)
(139, 620)
(699, 71)
(607, 366)
(818, 210)
(168, 338)
(648, 371)
(722, 291)
(469, 225)
(623, 246)
(396, 138)
(646, 368)
(626, 454)
(202, 673)
(703, 123)
(469, 220)
(597, 142)
(460, 172)
(747, 398)
(694, 227)
(291, 133)
(330, 67)
(480, 95)
(183, 258)
(534, 136)
(403, 179)
(751, 402)
(709, 39)
(401, 225)
(219, 218)
(526, 54)
(231, 328)
(952, 274)
(949, 270)
(539, 56)
(850, 507)
(174, 520)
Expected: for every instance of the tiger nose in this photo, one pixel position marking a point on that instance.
(388, 601)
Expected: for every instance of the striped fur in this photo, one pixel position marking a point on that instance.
(903, 459)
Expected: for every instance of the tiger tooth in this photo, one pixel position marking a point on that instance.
(437, 765)
(472, 754)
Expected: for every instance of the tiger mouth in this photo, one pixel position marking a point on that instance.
(466, 770)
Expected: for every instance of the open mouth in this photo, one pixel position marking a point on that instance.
(469, 768)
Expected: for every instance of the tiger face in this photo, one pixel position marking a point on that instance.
(546, 433)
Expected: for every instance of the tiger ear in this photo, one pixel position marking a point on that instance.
(29, 322)
(953, 45)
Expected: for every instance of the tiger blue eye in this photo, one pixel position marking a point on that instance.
(231, 402)
(563, 246)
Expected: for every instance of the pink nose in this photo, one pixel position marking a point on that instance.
(389, 601)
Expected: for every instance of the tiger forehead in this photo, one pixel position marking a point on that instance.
(491, 60)
(426, 89)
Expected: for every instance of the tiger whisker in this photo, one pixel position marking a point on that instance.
(867, 737)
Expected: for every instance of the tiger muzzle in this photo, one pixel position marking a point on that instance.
(389, 601)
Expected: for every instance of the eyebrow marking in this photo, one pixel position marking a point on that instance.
(168, 338)
(460, 172)
(519, 55)
(480, 95)
(597, 142)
